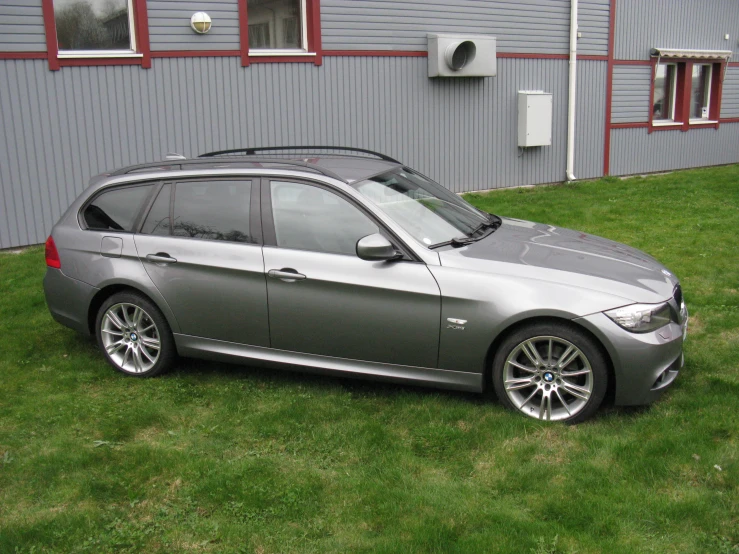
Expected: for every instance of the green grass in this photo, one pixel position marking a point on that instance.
(218, 458)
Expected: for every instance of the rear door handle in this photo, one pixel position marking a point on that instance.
(160, 258)
(286, 274)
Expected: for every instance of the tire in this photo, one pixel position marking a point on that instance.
(134, 335)
(569, 385)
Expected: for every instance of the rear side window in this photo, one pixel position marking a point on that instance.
(208, 210)
(116, 209)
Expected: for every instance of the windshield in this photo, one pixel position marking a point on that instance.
(423, 208)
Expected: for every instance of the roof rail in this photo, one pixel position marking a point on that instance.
(193, 164)
(252, 151)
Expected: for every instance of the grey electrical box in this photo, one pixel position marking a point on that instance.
(534, 118)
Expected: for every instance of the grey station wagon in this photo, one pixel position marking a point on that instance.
(354, 264)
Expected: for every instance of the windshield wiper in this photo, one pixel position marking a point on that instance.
(493, 222)
(456, 241)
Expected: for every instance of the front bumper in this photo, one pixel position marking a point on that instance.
(644, 364)
(68, 299)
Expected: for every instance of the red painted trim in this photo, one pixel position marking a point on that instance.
(52, 47)
(682, 110)
(650, 115)
(313, 9)
(634, 125)
(243, 33)
(283, 59)
(87, 62)
(717, 86)
(23, 55)
(730, 120)
(196, 53)
(388, 53)
(586, 57)
(632, 62)
(525, 55)
(609, 87)
(141, 18)
(733, 64)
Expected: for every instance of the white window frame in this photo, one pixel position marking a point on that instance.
(673, 86)
(288, 51)
(706, 99)
(129, 53)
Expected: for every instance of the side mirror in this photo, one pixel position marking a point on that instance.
(376, 248)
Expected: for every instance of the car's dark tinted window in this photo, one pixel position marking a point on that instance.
(311, 218)
(157, 222)
(212, 210)
(116, 210)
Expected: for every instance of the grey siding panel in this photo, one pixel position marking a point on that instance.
(22, 26)
(642, 25)
(590, 119)
(730, 93)
(57, 129)
(630, 100)
(522, 26)
(636, 151)
(169, 25)
(592, 22)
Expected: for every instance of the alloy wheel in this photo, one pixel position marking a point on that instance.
(548, 378)
(130, 338)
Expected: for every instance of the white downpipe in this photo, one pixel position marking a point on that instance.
(572, 101)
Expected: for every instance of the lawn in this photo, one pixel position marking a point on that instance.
(219, 458)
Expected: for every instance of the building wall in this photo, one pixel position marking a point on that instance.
(630, 99)
(669, 150)
(169, 25)
(21, 26)
(61, 128)
(730, 103)
(697, 24)
(590, 120)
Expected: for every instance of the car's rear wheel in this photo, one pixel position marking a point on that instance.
(134, 335)
(550, 371)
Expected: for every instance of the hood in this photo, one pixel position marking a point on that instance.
(556, 254)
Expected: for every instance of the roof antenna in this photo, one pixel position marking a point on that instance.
(174, 156)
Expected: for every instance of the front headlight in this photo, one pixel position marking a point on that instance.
(641, 318)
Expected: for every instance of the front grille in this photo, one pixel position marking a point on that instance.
(678, 296)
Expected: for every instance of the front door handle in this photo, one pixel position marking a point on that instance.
(286, 274)
(160, 258)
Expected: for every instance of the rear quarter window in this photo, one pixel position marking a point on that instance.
(116, 209)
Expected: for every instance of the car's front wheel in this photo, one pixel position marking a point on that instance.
(550, 371)
(134, 335)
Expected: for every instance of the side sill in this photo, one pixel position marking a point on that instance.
(210, 349)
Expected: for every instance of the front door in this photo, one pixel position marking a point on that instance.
(200, 245)
(325, 300)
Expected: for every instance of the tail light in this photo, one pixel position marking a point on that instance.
(52, 255)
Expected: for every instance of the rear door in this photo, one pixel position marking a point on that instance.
(201, 246)
(323, 299)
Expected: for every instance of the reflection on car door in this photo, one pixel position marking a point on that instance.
(200, 244)
(325, 300)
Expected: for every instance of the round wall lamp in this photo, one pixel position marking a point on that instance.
(200, 23)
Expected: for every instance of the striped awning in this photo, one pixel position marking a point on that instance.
(699, 54)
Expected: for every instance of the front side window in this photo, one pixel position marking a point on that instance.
(665, 90)
(94, 26)
(277, 25)
(116, 209)
(311, 218)
(207, 210)
(700, 91)
(430, 213)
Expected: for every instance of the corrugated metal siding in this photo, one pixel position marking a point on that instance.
(730, 100)
(522, 26)
(592, 22)
(630, 100)
(642, 25)
(590, 119)
(169, 25)
(22, 26)
(635, 151)
(57, 129)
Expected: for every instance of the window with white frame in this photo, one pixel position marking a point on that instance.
(94, 28)
(277, 26)
(665, 92)
(700, 91)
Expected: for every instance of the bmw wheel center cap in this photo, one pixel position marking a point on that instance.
(548, 377)
(133, 336)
